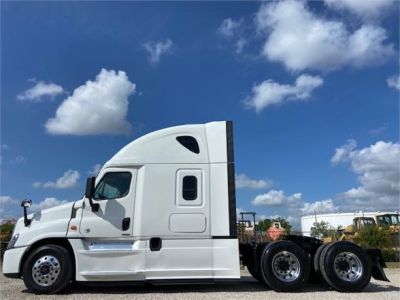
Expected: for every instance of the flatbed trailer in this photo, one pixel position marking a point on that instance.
(163, 210)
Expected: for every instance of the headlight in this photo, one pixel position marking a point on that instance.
(13, 240)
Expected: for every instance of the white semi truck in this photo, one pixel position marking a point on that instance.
(163, 210)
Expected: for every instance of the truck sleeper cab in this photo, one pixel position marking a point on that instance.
(163, 208)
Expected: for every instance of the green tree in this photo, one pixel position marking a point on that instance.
(284, 223)
(5, 235)
(263, 225)
(322, 229)
(374, 237)
(6, 229)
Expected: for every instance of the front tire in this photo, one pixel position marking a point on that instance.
(285, 267)
(345, 266)
(47, 270)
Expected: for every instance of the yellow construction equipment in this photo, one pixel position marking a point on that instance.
(385, 220)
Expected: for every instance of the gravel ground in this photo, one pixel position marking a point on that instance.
(246, 288)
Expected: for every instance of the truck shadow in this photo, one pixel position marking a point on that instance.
(245, 285)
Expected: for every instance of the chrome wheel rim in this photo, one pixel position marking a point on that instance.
(46, 270)
(348, 266)
(286, 266)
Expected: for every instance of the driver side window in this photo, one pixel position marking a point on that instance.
(113, 185)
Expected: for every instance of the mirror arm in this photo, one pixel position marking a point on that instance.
(27, 222)
(94, 206)
(25, 204)
(90, 192)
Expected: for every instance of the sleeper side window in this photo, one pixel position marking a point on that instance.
(113, 185)
(189, 143)
(189, 188)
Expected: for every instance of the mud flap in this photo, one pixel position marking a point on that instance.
(377, 264)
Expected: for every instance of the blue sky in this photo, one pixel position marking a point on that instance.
(312, 88)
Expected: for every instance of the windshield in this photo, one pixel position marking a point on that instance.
(368, 221)
(388, 220)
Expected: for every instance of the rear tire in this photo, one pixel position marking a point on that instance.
(285, 267)
(345, 266)
(254, 272)
(317, 256)
(47, 270)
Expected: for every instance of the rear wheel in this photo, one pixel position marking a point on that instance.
(345, 266)
(284, 266)
(47, 270)
(253, 271)
(317, 255)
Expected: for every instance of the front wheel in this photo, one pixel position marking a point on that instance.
(47, 270)
(284, 266)
(345, 266)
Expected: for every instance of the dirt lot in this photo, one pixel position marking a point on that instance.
(246, 288)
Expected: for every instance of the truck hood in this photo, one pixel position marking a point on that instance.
(51, 222)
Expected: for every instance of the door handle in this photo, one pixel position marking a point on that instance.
(125, 223)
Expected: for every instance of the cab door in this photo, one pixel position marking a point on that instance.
(115, 194)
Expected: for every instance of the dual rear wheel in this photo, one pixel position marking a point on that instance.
(285, 266)
(343, 265)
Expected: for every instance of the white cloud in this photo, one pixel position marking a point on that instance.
(233, 31)
(238, 211)
(293, 220)
(290, 205)
(394, 82)
(97, 107)
(365, 9)
(275, 198)
(156, 50)
(240, 44)
(18, 160)
(95, 170)
(243, 181)
(378, 130)
(229, 28)
(46, 203)
(70, 179)
(40, 90)
(4, 200)
(342, 153)
(271, 217)
(319, 207)
(301, 40)
(377, 168)
(6, 205)
(270, 92)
